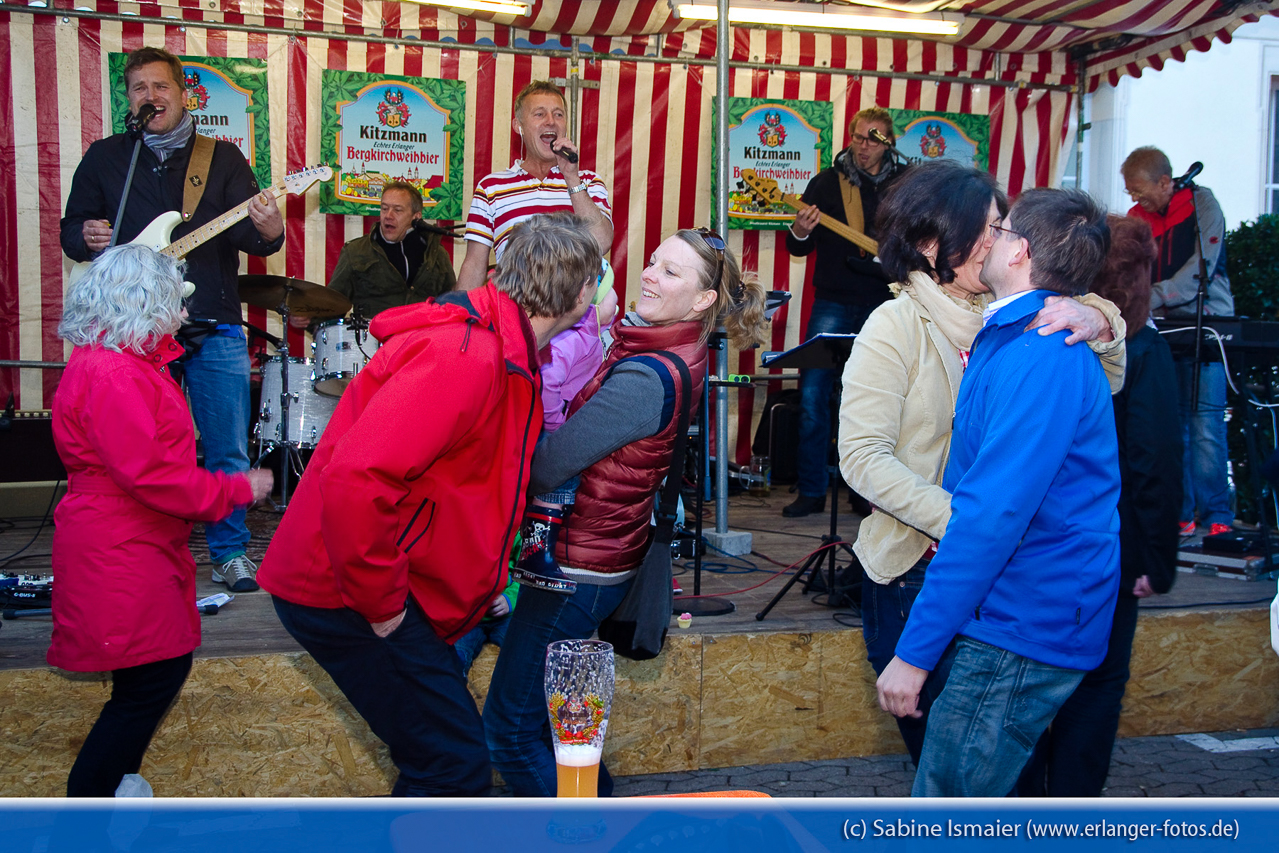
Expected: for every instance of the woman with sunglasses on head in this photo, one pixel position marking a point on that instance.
(619, 437)
(902, 380)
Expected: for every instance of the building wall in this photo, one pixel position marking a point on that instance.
(1214, 108)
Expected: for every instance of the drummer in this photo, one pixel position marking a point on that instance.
(399, 262)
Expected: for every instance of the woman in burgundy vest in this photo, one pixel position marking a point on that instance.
(619, 436)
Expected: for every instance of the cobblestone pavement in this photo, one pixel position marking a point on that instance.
(1165, 766)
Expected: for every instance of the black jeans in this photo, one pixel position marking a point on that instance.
(409, 688)
(140, 696)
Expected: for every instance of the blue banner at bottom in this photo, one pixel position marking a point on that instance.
(642, 825)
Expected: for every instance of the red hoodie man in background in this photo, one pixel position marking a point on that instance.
(398, 536)
(1171, 213)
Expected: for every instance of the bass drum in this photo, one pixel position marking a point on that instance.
(341, 349)
(309, 412)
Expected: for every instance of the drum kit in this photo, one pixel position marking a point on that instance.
(299, 395)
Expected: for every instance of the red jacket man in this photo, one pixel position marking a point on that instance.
(396, 540)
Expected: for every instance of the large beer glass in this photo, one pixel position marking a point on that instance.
(579, 694)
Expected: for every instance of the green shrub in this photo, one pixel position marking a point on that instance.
(1252, 262)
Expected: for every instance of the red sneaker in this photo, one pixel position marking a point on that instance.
(679, 590)
(1218, 528)
(1187, 528)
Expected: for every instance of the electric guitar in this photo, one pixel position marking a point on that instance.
(766, 191)
(157, 234)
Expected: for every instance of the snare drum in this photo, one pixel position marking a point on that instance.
(340, 350)
(309, 412)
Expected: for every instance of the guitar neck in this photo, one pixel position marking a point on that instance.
(847, 232)
(184, 245)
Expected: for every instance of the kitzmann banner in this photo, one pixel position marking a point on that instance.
(775, 148)
(377, 128)
(227, 97)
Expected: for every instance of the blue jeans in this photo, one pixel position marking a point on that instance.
(217, 380)
(409, 688)
(885, 609)
(515, 720)
(1203, 435)
(1072, 759)
(984, 725)
(815, 386)
(489, 631)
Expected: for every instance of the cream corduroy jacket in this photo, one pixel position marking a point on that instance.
(895, 417)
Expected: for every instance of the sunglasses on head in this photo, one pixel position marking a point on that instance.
(716, 242)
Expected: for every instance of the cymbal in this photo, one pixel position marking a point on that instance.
(302, 298)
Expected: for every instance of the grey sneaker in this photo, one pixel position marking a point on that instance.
(238, 573)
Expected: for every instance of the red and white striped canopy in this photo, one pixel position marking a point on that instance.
(1119, 36)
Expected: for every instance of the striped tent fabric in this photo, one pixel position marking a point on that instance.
(646, 121)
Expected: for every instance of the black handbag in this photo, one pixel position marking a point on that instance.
(637, 628)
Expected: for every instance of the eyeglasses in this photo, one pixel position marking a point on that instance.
(716, 242)
(863, 140)
(995, 229)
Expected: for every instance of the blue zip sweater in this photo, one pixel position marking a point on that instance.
(1030, 559)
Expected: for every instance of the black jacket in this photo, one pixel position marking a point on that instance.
(843, 272)
(1150, 464)
(157, 188)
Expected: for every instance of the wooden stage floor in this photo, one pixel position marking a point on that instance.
(248, 626)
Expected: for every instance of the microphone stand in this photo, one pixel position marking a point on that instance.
(1201, 298)
(137, 132)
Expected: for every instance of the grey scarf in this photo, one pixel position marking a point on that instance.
(163, 145)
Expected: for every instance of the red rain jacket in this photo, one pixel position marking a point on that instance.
(417, 487)
(124, 577)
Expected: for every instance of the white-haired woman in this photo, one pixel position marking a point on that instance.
(618, 437)
(124, 600)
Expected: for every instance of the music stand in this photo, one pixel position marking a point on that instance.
(830, 352)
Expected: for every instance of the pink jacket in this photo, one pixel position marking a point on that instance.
(124, 577)
(576, 353)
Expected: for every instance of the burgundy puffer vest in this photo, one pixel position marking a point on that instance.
(608, 530)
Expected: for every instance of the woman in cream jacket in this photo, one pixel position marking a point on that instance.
(902, 379)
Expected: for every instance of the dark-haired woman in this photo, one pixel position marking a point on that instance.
(902, 380)
(1073, 756)
(619, 436)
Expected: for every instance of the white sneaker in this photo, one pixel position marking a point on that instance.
(133, 785)
(238, 573)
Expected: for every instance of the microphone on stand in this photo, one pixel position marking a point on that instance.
(422, 225)
(135, 123)
(879, 137)
(1188, 178)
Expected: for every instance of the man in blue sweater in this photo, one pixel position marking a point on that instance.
(1017, 604)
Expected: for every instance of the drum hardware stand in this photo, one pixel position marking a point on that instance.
(290, 456)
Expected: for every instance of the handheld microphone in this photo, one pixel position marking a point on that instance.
(568, 155)
(879, 137)
(138, 121)
(1186, 179)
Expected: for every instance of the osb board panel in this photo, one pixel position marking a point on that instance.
(788, 697)
(254, 726)
(655, 724)
(1201, 671)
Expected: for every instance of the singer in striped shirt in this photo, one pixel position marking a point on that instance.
(545, 180)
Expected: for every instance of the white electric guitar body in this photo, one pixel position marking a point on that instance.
(157, 236)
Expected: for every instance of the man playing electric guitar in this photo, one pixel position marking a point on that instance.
(848, 281)
(217, 376)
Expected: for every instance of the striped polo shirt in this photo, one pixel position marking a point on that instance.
(504, 199)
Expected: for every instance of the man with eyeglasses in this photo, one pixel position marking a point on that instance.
(849, 283)
(1171, 213)
(398, 262)
(1019, 600)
